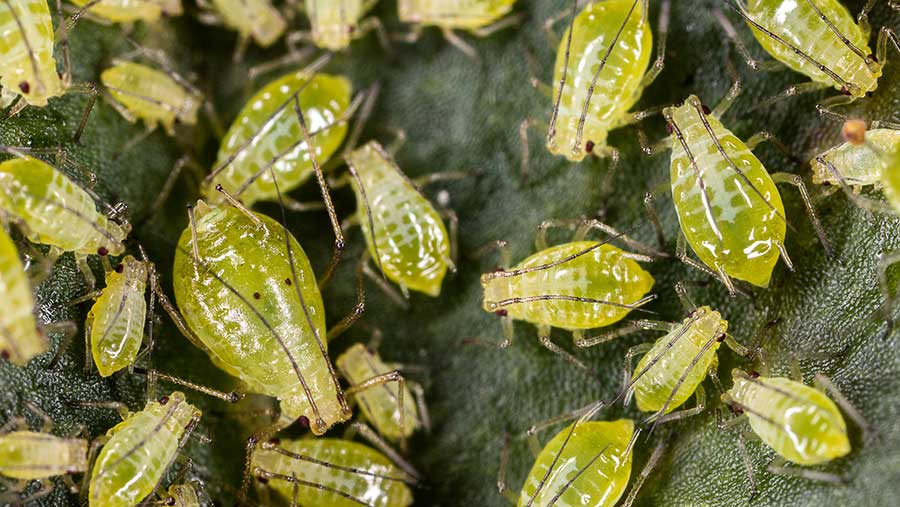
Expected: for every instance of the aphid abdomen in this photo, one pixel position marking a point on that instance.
(334, 23)
(379, 405)
(605, 273)
(255, 327)
(118, 318)
(124, 11)
(409, 241)
(267, 130)
(596, 451)
(56, 211)
(252, 18)
(30, 455)
(798, 23)
(652, 389)
(800, 423)
(453, 14)
(729, 225)
(150, 95)
(383, 487)
(617, 86)
(139, 451)
(19, 337)
(858, 165)
(27, 66)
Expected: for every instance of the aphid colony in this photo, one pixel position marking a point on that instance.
(246, 294)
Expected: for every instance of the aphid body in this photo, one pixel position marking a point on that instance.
(828, 59)
(27, 66)
(728, 206)
(30, 455)
(336, 23)
(588, 463)
(403, 231)
(20, 339)
(116, 321)
(139, 450)
(151, 95)
(182, 495)
(127, 11)
(256, 309)
(453, 14)
(380, 405)
(332, 473)
(55, 211)
(267, 134)
(252, 18)
(585, 117)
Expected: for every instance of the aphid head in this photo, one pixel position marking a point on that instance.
(854, 132)
(134, 271)
(496, 289)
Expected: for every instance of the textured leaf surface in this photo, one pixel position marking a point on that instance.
(464, 115)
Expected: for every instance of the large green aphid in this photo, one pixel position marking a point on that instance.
(478, 17)
(138, 451)
(576, 286)
(329, 472)
(128, 11)
(53, 210)
(404, 232)
(20, 338)
(249, 298)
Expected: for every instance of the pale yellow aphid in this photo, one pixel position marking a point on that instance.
(478, 17)
(251, 19)
(127, 11)
(336, 23)
(20, 339)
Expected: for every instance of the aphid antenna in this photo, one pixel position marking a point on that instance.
(159, 57)
(868, 203)
(837, 32)
(369, 220)
(156, 102)
(371, 97)
(260, 472)
(554, 114)
(270, 446)
(747, 410)
(575, 477)
(756, 382)
(239, 205)
(230, 397)
(636, 306)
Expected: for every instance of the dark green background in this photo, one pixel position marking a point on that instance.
(462, 114)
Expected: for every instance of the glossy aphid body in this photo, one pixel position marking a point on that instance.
(381, 406)
(403, 231)
(335, 23)
(27, 66)
(267, 136)
(249, 295)
(586, 463)
(20, 339)
(798, 422)
(127, 11)
(53, 210)
(331, 472)
(115, 323)
(151, 95)
(252, 19)
(139, 450)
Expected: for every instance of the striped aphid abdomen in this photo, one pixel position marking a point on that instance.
(31, 455)
(591, 465)
(798, 23)
(267, 133)
(407, 237)
(139, 451)
(27, 66)
(55, 210)
(858, 165)
(365, 475)
(617, 85)
(20, 339)
(800, 423)
(674, 354)
(380, 405)
(151, 95)
(118, 318)
(454, 14)
(731, 215)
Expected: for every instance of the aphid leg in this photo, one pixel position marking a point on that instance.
(366, 104)
(428, 179)
(453, 231)
(382, 380)
(582, 342)
(547, 343)
(370, 436)
(581, 414)
(460, 44)
(525, 162)
(823, 383)
(230, 397)
(81, 262)
(650, 252)
(370, 24)
(748, 463)
(777, 467)
(797, 181)
(358, 309)
(699, 407)
(134, 141)
(174, 314)
(169, 184)
(68, 329)
(533, 72)
(728, 100)
(91, 90)
(540, 237)
(46, 421)
(292, 57)
(240, 47)
(662, 33)
(793, 91)
(884, 262)
(94, 448)
(884, 35)
(731, 33)
(645, 472)
(784, 255)
(862, 19)
(401, 300)
(639, 349)
(419, 393)
(502, 485)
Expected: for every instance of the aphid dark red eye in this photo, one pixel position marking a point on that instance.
(845, 90)
(25, 87)
(103, 251)
(164, 400)
(589, 146)
(669, 128)
(754, 374)
(256, 295)
(4, 354)
(288, 281)
(721, 338)
(303, 421)
(706, 109)
(274, 441)
(262, 480)
(120, 268)
(170, 501)
(501, 313)
(735, 409)
(873, 58)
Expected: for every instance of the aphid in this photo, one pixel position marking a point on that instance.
(391, 409)
(329, 472)
(27, 455)
(336, 23)
(728, 206)
(817, 38)
(53, 210)
(138, 451)
(251, 19)
(575, 286)
(127, 11)
(800, 423)
(20, 339)
(181, 495)
(403, 231)
(478, 17)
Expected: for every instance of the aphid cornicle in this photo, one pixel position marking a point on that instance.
(404, 233)
(249, 295)
(328, 472)
(53, 210)
(336, 23)
(127, 11)
(20, 339)
(267, 135)
(138, 451)
(478, 17)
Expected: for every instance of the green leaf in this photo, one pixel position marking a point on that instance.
(462, 114)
